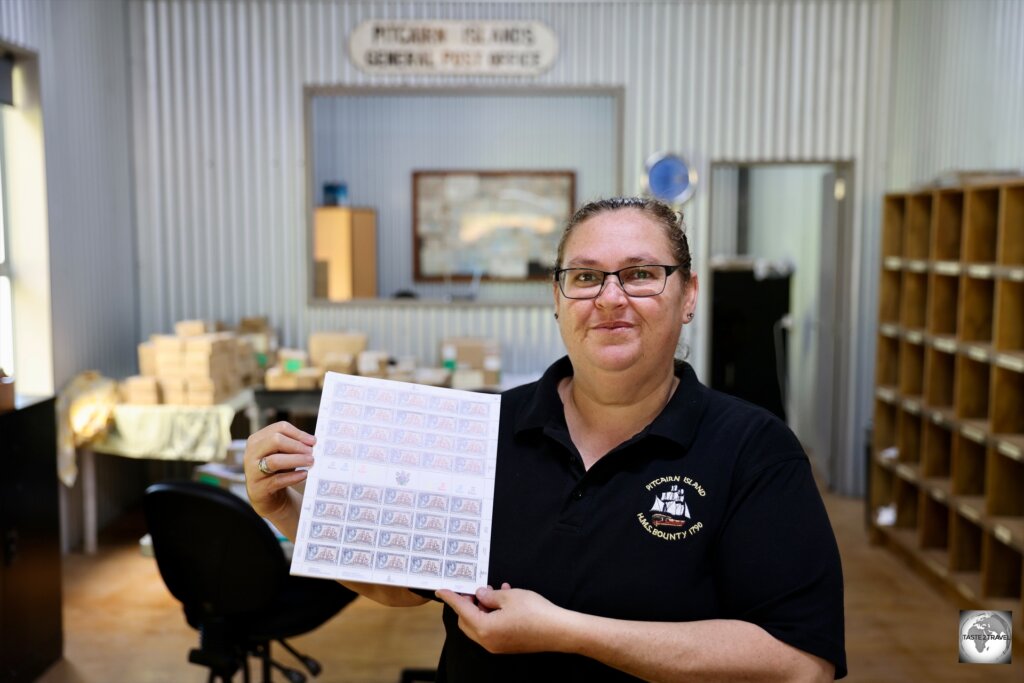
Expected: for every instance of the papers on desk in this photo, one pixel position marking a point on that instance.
(402, 488)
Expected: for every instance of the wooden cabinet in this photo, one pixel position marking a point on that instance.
(947, 466)
(344, 253)
(31, 634)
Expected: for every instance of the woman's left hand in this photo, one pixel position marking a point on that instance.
(510, 620)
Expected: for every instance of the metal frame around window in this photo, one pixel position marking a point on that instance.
(5, 230)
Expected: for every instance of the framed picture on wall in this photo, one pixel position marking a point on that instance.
(489, 224)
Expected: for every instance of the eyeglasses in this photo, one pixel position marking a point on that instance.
(636, 281)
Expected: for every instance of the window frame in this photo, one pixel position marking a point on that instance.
(6, 271)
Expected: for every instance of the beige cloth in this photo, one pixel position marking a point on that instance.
(84, 408)
(172, 432)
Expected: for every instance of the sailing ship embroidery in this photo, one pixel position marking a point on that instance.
(669, 507)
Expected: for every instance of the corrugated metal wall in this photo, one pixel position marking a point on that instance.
(89, 187)
(219, 138)
(958, 100)
(24, 23)
(375, 141)
(81, 48)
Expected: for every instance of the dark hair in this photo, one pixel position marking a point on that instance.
(662, 214)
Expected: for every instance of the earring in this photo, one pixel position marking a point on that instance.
(556, 315)
(689, 316)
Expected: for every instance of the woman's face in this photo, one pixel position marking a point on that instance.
(616, 331)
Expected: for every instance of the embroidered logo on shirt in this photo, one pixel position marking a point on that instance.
(669, 517)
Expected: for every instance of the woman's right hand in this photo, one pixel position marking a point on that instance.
(284, 447)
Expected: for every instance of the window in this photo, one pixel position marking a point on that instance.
(6, 309)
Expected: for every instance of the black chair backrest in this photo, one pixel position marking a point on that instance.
(216, 555)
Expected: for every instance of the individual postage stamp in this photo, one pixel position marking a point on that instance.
(422, 543)
(357, 558)
(469, 465)
(364, 513)
(458, 548)
(340, 449)
(427, 522)
(337, 490)
(328, 510)
(321, 554)
(367, 494)
(466, 506)
(357, 535)
(392, 562)
(459, 570)
(458, 526)
(432, 501)
(325, 532)
(401, 519)
(394, 539)
(430, 566)
(400, 498)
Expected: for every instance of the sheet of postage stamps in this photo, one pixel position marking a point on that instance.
(402, 490)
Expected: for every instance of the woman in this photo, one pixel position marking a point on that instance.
(645, 527)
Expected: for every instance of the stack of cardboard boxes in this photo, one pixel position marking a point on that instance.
(475, 362)
(258, 332)
(467, 363)
(328, 352)
(195, 366)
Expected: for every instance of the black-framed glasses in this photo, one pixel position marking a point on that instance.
(637, 281)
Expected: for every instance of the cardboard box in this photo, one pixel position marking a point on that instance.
(166, 343)
(219, 342)
(147, 359)
(140, 390)
(292, 360)
(254, 324)
(190, 328)
(176, 398)
(372, 363)
(141, 399)
(204, 398)
(201, 384)
(141, 384)
(172, 386)
(264, 348)
(309, 378)
(276, 379)
(492, 371)
(169, 365)
(323, 343)
(468, 353)
(468, 379)
(335, 361)
(434, 377)
(209, 365)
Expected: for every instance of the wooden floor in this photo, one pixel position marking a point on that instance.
(120, 623)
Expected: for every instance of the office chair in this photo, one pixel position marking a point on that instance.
(225, 565)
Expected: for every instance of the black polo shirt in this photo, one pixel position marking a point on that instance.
(710, 512)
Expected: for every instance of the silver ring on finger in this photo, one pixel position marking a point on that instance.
(264, 468)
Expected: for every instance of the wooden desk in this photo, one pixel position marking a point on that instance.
(161, 432)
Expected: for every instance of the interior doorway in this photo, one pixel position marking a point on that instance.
(777, 242)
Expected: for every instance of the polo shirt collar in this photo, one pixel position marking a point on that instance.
(677, 422)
